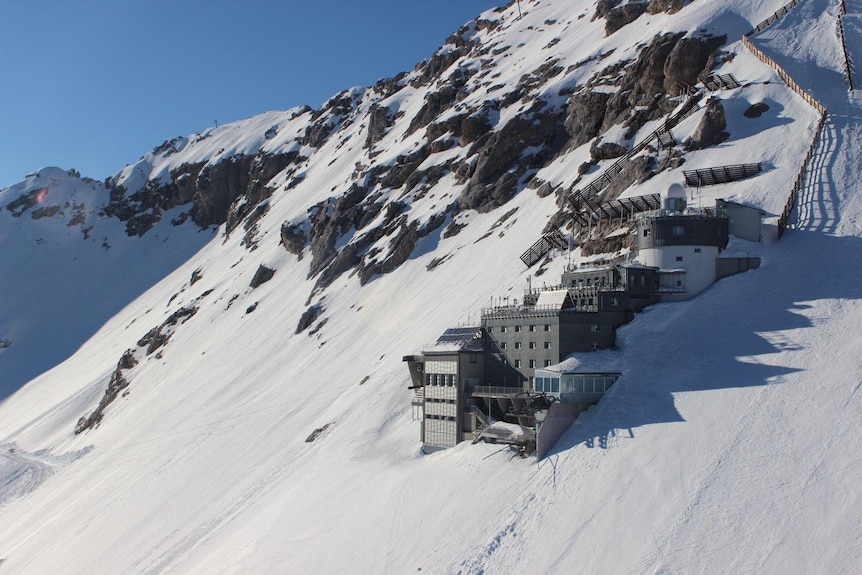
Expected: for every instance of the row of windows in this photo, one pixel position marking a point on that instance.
(517, 328)
(532, 345)
(574, 384)
(600, 281)
(548, 384)
(439, 379)
(532, 363)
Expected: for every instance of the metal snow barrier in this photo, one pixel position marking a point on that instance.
(720, 174)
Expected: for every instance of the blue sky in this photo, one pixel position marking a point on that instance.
(95, 84)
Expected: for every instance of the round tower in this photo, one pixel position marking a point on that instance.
(682, 243)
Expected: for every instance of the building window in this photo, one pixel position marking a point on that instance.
(678, 230)
(502, 345)
(473, 358)
(517, 363)
(615, 301)
(490, 330)
(532, 328)
(679, 258)
(589, 282)
(517, 329)
(532, 364)
(590, 301)
(547, 345)
(547, 327)
(547, 363)
(502, 329)
(532, 345)
(646, 232)
(594, 327)
(697, 250)
(517, 345)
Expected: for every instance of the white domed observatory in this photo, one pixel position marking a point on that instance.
(683, 243)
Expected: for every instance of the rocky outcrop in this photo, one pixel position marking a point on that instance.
(308, 317)
(711, 130)
(646, 84)
(212, 190)
(294, 238)
(669, 6)
(635, 171)
(116, 384)
(261, 276)
(435, 103)
(327, 119)
(620, 16)
(501, 161)
(380, 119)
(585, 115)
(605, 151)
(756, 110)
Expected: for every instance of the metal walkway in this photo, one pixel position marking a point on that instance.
(549, 241)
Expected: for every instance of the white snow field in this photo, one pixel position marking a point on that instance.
(730, 444)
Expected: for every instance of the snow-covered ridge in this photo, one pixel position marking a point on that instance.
(727, 445)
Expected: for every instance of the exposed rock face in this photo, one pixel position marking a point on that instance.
(294, 238)
(711, 130)
(669, 6)
(308, 317)
(435, 104)
(379, 120)
(756, 110)
(212, 191)
(585, 115)
(117, 384)
(326, 119)
(690, 59)
(500, 161)
(649, 81)
(495, 161)
(159, 336)
(261, 276)
(606, 151)
(622, 15)
(636, 171)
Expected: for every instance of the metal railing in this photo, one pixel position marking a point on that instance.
(486, 390)
(784, 219)
(775, 16)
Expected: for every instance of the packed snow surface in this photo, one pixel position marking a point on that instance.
(727, 446)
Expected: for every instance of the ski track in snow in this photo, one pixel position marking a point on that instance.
(21, 472)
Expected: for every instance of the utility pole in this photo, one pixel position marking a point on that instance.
(519, 9)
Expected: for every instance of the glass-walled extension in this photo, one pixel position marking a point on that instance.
(570, 387)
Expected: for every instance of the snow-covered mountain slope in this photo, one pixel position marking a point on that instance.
(395, 212)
